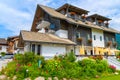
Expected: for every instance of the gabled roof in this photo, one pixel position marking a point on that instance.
(54, 13)
(99, 17)
(74, 8)
(3, 41)
(13, 37)
(44, 38)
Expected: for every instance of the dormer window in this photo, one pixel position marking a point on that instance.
(99, 20)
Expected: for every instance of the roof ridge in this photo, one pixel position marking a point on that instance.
(45, 6)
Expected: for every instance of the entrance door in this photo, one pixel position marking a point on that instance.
(39, 50)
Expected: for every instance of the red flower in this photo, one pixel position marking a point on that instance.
(29, 64)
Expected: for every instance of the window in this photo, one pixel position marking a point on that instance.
(100, 38)
(38, 50)
(94, 37)
(52, 26)
(88, 36)
(78, 35)
(113, 39)
(107, 39)
(63, 12)
(33, 47)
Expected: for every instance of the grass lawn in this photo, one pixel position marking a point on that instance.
(111, 77)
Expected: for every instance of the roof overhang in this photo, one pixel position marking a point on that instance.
(74, 8)
(97, 16)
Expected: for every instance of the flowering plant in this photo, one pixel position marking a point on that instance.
(109, 43)
(79, 39)
(114, 44)
(112, 68)
(89, 40)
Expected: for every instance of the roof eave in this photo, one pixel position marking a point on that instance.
(49, 42)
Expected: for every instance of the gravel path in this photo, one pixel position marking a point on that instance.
(4, 62)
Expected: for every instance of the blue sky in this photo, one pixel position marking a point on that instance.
(16, 15)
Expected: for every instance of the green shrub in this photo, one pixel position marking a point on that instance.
(10, 69)
(88, 67)
(101, 66)
(62, 66)
(3, 53)
(53, 67)
(70, 57)
(18, 58)
(112, 68)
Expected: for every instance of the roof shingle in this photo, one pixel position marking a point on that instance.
(56, 14)
(3, 41)
(44, 38)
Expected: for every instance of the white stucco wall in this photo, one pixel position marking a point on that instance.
(4, 48)
(50, 50)
(97, 42)
(27, 47)
(62, 33)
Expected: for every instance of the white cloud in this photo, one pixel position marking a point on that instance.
(14, 19)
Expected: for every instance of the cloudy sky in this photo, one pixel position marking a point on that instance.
(16, 15)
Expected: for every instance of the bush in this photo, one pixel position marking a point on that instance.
(101, 66)
(53, 67)
(118, 55)
(70, 57)
(62, 66)
(28, 58)
(88, 67)
(112, 68)
(10, 69)
(91, 67)
(3, 53)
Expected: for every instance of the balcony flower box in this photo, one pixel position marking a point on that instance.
(73, 13)
(100, 21)
(83, 17)
(109, 43)
(89, 40)
(114, 44)
(79, 39)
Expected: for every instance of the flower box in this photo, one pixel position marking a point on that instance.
(79, 39)
(109, 43)
(115, 44)
(89, 40)
(73, 13)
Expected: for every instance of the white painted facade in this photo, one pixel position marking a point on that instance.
(3, 48)
(48, 50)
(62, 33)
(97, 34)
